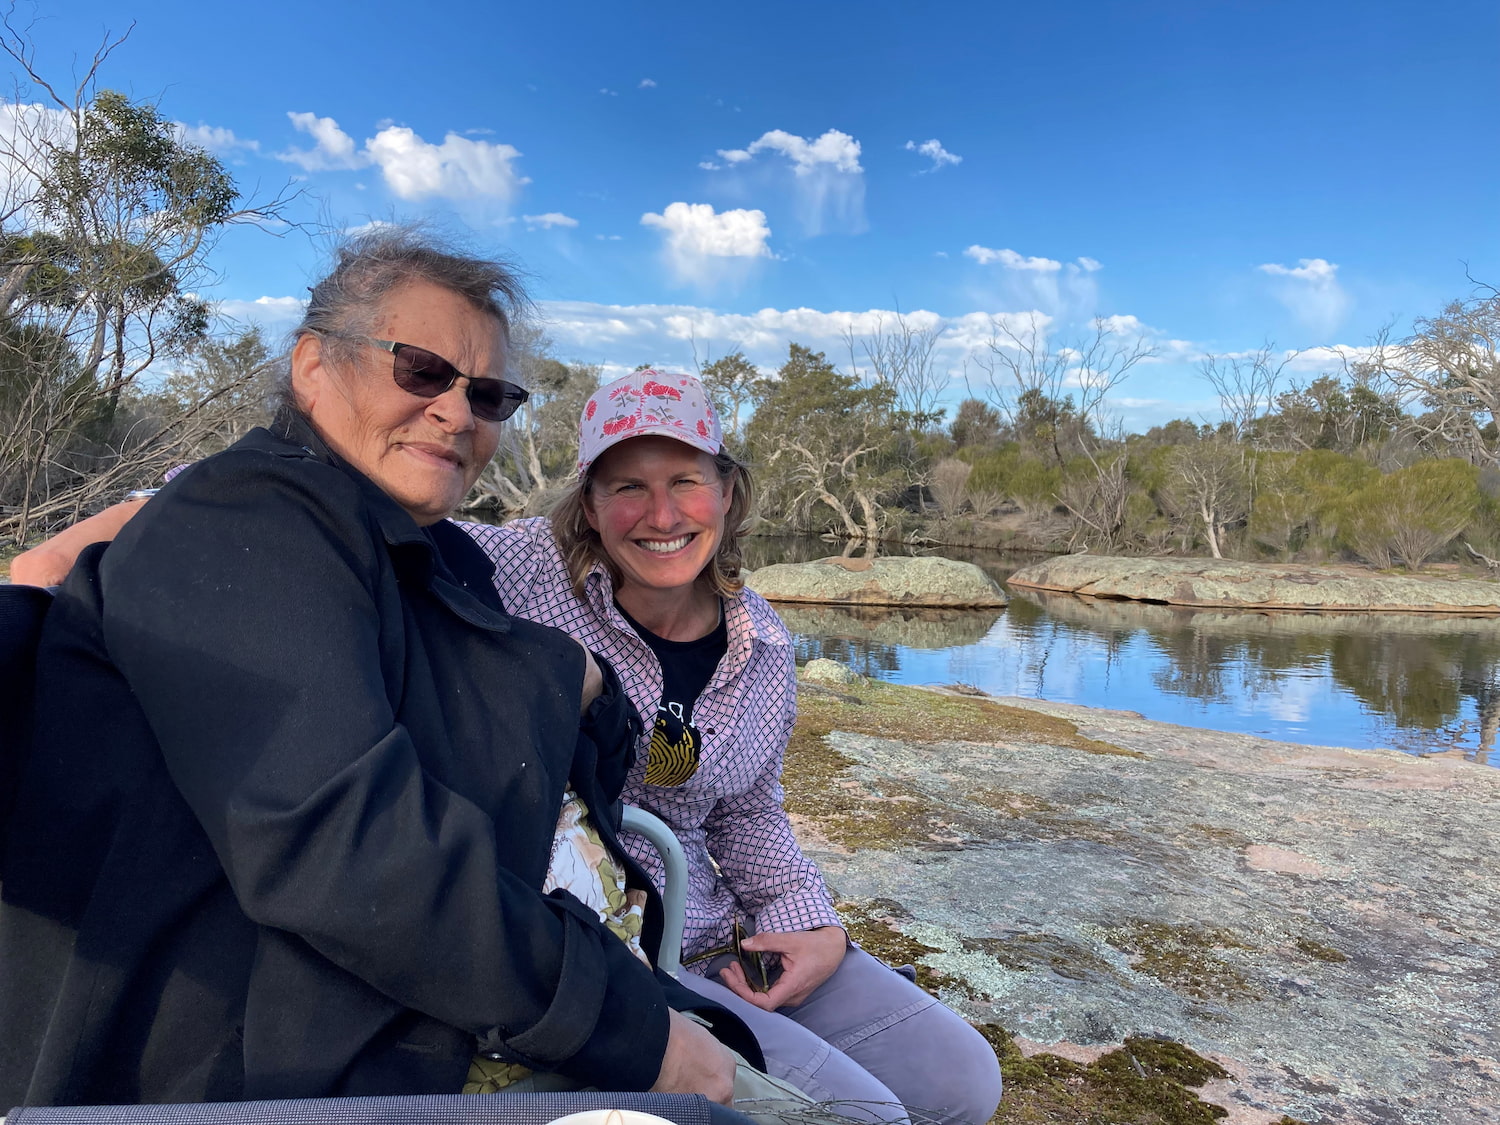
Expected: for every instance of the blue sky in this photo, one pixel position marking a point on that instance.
(1212, 175)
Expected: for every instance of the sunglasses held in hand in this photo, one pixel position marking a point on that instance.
(752, 964)
(427, 375)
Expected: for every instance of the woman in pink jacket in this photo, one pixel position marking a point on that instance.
(640, 562)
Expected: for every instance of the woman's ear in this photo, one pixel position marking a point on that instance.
(309, 374)
(586, 502)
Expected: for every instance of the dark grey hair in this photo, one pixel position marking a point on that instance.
(370, 265)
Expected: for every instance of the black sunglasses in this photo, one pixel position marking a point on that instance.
(752, 964)
(426, 374)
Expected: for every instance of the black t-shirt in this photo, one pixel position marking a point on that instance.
(686, 668)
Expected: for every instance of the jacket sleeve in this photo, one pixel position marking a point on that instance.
(245, 611)
(751, 839)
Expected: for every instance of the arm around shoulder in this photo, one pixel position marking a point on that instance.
(48, 563)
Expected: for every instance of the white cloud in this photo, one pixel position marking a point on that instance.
(1311, 291)
(696, 239)
(833, 149)
(1331, 357)
(275, 313)
(334, 149)
(26, 131)
(647, 84)
(1315, 270)
(607, 92)
(601, 333)
(459, 168)
(365, 228)
(827, 177)
(935, 152)
(1011, 260)
(215, 138)
(549, 220)
(1066, 289)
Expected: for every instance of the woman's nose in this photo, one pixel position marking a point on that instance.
(451, 408)
(663, 512)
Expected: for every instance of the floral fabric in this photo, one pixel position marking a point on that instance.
(648, 402)
(581, 864)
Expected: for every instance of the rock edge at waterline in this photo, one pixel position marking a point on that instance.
(929, 581)
(1247, 585)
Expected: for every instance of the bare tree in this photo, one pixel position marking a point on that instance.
(1451, 365)
(1059, 393)
(1247, 387)
(949, 482)
(901, 356)
(1023, 365)
(1210, 482)
(539, 445)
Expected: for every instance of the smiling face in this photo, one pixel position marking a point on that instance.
(425, 453)
(658, 506)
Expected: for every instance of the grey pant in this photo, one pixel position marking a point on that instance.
(870, 1038)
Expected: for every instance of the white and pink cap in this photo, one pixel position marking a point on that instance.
(643, 403)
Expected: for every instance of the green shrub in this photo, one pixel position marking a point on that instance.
(1411, 514)
(1302, 499)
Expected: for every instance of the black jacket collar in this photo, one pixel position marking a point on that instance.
(440, 552)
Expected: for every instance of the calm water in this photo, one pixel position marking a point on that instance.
(1412, 682)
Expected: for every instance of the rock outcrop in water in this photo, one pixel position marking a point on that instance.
(1222, 583)
(887, 581)
(1322, 923)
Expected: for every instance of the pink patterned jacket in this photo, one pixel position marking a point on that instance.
(729, 812)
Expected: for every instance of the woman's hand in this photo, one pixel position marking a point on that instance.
(48, 563)
(808, 958)
(695, 1063)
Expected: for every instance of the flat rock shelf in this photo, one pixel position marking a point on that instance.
(1320, 922)
(1221, 583)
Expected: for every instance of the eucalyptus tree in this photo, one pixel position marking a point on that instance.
(107, 216)
(826, 449)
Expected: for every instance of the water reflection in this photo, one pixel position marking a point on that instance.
(869, 638)
(1418, 683)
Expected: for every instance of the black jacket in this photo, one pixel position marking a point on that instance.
(290, 802)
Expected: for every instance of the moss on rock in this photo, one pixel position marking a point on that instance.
(888, 812)
(1143, 1082)
(1183, 957)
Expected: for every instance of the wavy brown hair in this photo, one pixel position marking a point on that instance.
(581, 547)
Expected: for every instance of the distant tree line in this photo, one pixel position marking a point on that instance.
(110, 372)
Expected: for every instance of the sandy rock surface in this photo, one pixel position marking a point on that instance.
(1324, 923)
(1216, 582)
(886, 581)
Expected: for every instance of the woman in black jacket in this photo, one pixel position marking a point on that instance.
(297, 778)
